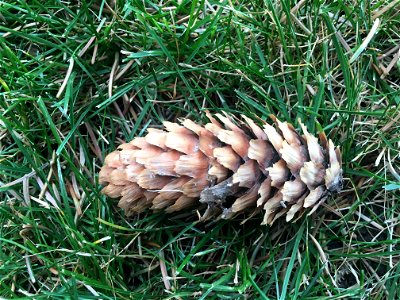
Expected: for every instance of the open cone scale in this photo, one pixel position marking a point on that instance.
(224, 168)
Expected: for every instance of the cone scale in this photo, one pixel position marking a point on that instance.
(223, 169)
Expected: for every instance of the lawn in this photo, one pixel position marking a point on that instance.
(77, 78)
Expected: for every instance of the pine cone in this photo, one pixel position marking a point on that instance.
(227, 169)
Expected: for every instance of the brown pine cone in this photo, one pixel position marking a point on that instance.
(227, 167)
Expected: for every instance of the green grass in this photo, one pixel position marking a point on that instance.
(79, 77)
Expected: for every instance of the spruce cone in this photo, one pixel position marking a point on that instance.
(226, 166)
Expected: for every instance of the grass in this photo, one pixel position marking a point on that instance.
(79, 77)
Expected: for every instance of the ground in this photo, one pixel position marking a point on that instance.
(79, 77)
